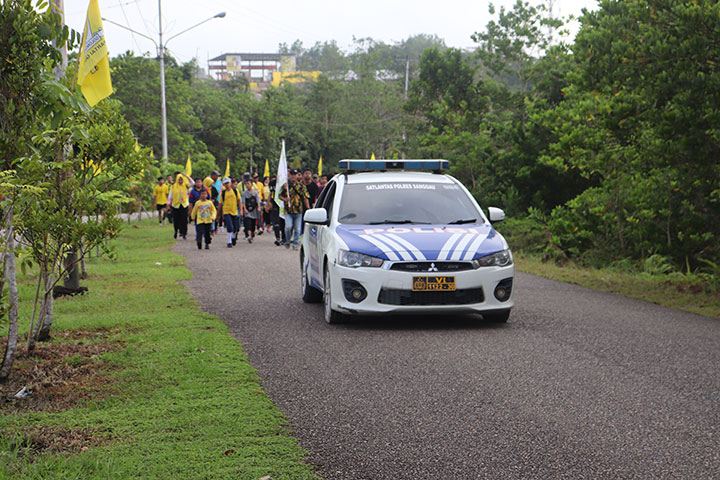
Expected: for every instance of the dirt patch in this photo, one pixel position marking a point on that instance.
(55, 439)
(65, 373)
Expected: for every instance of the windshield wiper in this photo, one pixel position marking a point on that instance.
(459, 222)
(397, 222)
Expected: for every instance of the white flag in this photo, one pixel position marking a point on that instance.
(282, 178)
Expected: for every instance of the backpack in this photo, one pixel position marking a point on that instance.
(251, 203)
(223, 194)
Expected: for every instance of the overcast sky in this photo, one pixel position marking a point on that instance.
(259, 26)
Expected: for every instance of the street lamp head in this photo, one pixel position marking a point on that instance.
(220, 15)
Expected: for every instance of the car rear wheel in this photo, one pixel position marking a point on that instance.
(331, 316)
(497, 317)
(310, 294)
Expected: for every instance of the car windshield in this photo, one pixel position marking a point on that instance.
(406, 203)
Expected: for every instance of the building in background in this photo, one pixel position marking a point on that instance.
(256, 67)
(260, 69)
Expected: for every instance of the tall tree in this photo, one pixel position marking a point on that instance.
(511, 45)
(641, 114)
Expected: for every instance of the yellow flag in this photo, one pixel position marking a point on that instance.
(227, 168)
(266, 173)
(137, 146)
(188, 167)
(320, 166)
(94, 66)
(372, 157)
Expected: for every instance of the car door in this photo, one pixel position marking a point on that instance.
(319, 235)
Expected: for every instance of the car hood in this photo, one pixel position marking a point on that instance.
(422, 242)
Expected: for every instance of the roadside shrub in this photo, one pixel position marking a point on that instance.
(526, 235)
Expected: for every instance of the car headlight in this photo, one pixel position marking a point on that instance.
(499, 259)
(354, 259)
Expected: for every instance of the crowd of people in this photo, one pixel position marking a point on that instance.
(246, 204)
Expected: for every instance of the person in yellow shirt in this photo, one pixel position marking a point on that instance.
(160, 192)
(230, 210)
(179, 202)
(258, 186)
(204, 214)
(267, 204)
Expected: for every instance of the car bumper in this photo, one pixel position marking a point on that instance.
(389, 291)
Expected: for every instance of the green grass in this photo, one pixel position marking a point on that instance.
(678, 291)
(185, 401)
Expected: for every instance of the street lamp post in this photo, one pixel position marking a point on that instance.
(161, 53)
(163, 108)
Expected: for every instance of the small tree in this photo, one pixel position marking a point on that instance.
(26, 40)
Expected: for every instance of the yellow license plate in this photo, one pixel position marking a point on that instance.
(433, 284)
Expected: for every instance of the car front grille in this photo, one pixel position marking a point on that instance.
(408, 297)
(431, 266)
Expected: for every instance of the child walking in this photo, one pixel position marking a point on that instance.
(160, 192)
(204, 214)
(251, 208)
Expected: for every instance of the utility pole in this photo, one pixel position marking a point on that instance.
(407, 76)
(163, 110)
(407, 83)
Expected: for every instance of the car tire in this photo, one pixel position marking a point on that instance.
(331, 316)
(497, 317)
(310, 294)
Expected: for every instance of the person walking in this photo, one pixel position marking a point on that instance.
(160, 192)
(251, 208)
(169, 182)
(214, 185)
(230, 208)
(296, 198)
(311, 185)
(204, 214)
(277, 220)
(258, 187)
(267, 204)
(179, 203)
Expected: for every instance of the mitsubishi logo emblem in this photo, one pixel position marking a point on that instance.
(432, 268)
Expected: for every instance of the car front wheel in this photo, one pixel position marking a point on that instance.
(310, 294)
(331, 316)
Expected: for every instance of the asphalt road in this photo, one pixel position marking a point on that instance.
(579, 384)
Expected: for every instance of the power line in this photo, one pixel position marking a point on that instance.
(122, 8)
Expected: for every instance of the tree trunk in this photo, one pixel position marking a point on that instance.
(10, 278)
(31, 331)
(45, 323)
(72, 277)
(83, 269)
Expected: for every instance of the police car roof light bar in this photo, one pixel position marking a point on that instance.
(375, 165)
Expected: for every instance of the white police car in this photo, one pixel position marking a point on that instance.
(402, 237)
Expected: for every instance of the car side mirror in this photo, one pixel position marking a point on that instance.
(317, 216)
(496, 214)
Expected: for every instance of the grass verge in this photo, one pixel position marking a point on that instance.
(169, 393)
(662, 289)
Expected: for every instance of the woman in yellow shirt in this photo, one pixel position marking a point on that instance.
(179, 202)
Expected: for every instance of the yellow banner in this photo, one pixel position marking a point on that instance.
(227, 168)
(320, 166)
(94, 66)
(266, 173)
(188, 167)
